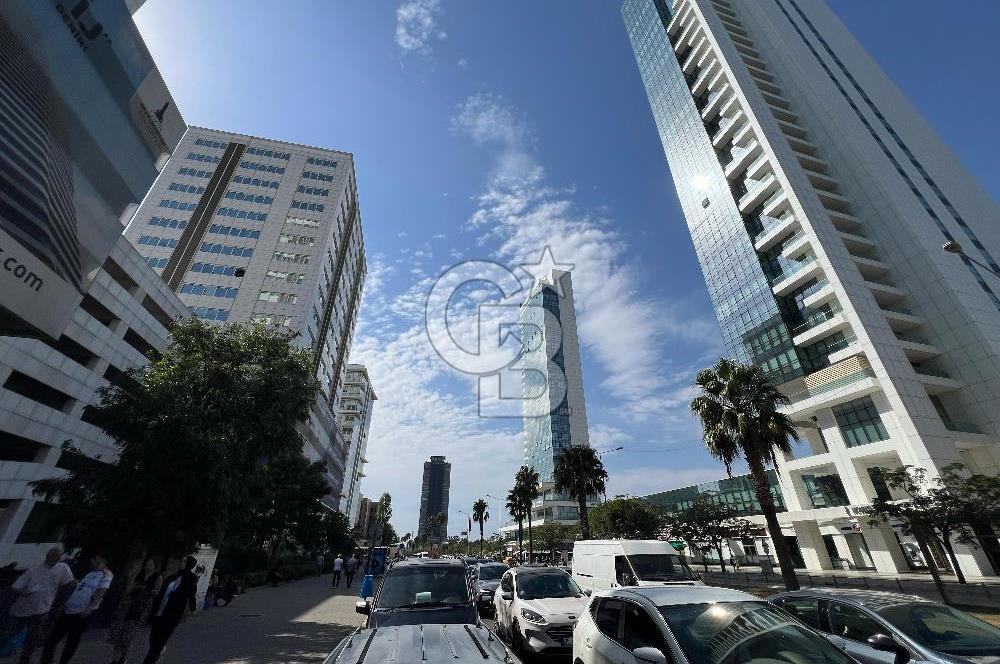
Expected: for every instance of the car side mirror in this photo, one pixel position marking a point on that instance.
(646, 655)
(886, 643)
(507, 596)
(362, 607)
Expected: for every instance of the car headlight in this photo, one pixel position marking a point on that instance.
(532, 616)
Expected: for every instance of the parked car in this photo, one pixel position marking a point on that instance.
(605, 564)
(485, 581)
(537, 607)
(455, 644)
(422, 591)
(694, 625)
(886, 628)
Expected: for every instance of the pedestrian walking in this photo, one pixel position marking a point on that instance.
(351, 568)
(320, 562)
(176, 595)
(36, 589)
(338, 567)
(133, 610)
(72, 622)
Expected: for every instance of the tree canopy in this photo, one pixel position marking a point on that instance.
(628, 518)
(580, 473)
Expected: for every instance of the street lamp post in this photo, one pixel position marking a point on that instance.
(953, 247)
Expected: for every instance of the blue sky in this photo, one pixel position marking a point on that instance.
(488, 130)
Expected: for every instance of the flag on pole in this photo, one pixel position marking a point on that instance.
(470, 523)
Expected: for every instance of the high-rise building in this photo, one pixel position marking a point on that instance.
(818, 200)
(85, 123)
(434, 498)
(354, 418)
(366, 513)
(553, 405)
(247, 228)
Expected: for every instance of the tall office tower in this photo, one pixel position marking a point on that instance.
(434, 498)
(818, 200)
(553, 406)
(246, 228)
(366, 512)
(354, 418)
(85, 122)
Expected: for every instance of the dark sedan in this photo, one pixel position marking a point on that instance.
(485, 580)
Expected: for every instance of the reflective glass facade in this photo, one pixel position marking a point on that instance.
(737, 492)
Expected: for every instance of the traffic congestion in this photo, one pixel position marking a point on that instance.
(639, 602)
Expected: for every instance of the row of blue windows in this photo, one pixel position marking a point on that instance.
(234, 231)
(177, 205)
(212, 268)
(313, 207)
(313, 191)
(211, 144)
(209, 313)
(212, 291)
(253, 165)
(241, 214)
(310, 175)
(186, 188)
(157, 241)
(226, 249)
(322, 162)
(243, 196)
(197, 156)
(154, 262)
(166, 222)
(193, 172)
(257, 182)
(269, 153)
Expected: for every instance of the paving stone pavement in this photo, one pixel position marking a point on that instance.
(296, 623)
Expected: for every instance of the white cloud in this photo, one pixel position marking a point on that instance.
(417, 25)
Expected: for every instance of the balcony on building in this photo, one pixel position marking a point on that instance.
(884, 292)
(757, 191)
(820, 325)
(820, 294)
(823, 488)
(934, 380)
(844, 221)
(797, 246)
(803, 271)
(728, 125)
(900, 318)
(848, 379)
(917, 348)
(741, 155)
(775, 231)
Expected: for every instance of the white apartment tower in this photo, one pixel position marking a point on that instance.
(818, 200)
(355, 416)
(245, 228)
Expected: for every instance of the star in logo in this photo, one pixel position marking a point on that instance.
(541, 270)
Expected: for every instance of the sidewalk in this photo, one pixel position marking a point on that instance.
(296, 623)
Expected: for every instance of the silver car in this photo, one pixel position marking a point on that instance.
(888, 628)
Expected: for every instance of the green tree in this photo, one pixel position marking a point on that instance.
(515, 507)
(628, 518)
(580, 473)
(551, 536)
(738, 409)
(336, 534)
(709, 523)
(526, 485)
(480, 515)
(193, 432)
(383, 513)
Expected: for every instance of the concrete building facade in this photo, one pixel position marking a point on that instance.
(434, 495)
(245, 228)
(356, 403)
(818, 200)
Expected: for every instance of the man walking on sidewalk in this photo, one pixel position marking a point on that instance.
(71, 624)
(338, 567)
(36, 590)
(176, 594)
(351, 568)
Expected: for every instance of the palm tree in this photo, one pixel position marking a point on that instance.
(526, 484)
(580, 473)
(516, 508)
(738, 409)
(480, 516)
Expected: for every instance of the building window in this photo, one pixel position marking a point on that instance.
(322, 177)
(204, 142)
(271, 154)
(329, 163)
(267, 168)
(280, 298)
(304, 240)
(860, 422)
(193, 172)
(250, 198)
(210, 290)
(195, 156)
(177, 205)
(208, 313)
(307, 223)
(234, 231)
(312, 207)
(825, 491)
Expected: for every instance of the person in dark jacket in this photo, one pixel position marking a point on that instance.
(176, 594)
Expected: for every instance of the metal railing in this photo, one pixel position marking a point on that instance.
(854, 377)
(818, 318)
(785, 274)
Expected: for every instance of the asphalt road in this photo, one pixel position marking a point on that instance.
(531, 658)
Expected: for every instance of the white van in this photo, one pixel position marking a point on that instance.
(605, 564)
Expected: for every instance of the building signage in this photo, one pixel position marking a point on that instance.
(87, 118)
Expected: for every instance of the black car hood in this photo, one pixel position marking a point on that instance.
(440, 615)
(488, 585)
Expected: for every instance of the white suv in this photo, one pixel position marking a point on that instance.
(537, 608)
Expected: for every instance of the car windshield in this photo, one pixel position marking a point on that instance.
(547, 584)
(491, 572)
(660, 567)
(746, 632)
(422, 585)
(944, 629)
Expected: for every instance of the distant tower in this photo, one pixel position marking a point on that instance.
(434, 497)
(355, 416)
